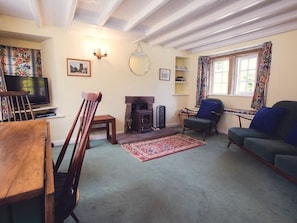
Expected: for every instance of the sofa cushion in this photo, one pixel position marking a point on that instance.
(206, 108)
(287, 164)
(268, 148)
(266, 119)
(292, 136)
(287, 121)
(237, 134)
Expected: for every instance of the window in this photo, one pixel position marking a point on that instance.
(234, 74)
(220, 76)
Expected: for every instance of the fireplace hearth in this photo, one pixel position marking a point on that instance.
(139, 113)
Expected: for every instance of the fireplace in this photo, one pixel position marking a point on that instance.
(139, 113)
(142, 120)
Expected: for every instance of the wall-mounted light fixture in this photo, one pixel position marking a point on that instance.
(97, 53)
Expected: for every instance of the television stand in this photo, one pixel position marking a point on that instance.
(46, 112)
(45, 115)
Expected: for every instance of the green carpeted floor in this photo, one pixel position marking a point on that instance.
(208, 184)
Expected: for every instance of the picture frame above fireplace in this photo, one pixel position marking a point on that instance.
(164, 74)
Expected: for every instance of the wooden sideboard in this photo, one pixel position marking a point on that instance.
(26, 172)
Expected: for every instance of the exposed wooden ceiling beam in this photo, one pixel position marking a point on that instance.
(185, 25)
(36, 12)
(262, 25)
(108, 10)
(243, 38)
(236, 7)
(70, 12)
(144, 13)
(195, 5)
(246, 19)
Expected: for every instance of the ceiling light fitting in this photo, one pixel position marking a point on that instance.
(97, 53)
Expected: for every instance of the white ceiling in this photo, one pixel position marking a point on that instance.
(191, 25)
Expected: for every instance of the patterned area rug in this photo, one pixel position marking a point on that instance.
(124, 138)
(152, 149)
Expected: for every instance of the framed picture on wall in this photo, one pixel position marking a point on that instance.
(164, 74)
(78, 67)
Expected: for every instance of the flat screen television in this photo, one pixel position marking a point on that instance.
(37, 86)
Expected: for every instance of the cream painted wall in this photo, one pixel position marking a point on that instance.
(114, 79)
(110, 75)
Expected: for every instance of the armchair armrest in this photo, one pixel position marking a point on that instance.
(190, 112)
(215, 113)
(215, 116)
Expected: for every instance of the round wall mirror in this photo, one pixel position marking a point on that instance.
(139, 62)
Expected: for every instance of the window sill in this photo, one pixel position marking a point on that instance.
(228, 95)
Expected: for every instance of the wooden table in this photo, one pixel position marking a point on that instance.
(26, 172)
(106, 120)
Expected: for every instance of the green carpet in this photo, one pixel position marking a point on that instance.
(205, 185)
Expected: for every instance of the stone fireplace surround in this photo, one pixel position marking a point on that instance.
(137, 102)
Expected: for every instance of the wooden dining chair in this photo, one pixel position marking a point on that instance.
(67, 177)
(15, 106)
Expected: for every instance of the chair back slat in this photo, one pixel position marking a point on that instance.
(81, 124)
(15, 106)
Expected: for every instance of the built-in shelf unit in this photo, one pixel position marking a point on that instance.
(181, 76)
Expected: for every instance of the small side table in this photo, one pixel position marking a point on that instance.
(105, 119)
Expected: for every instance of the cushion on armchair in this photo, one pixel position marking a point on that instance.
(206, 109)
(266, 119)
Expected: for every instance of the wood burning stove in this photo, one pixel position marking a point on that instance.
(142, 120)
(139, 113)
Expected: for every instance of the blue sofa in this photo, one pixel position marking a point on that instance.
(271, 138)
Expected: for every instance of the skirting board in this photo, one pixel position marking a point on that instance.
(99, 135)
(102, 135)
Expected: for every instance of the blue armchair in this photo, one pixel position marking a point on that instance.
(207, 117)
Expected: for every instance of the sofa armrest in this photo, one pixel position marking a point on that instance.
(242, 117)
(287, 163)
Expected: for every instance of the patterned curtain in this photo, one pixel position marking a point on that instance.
(18, 62)
(259, 98)
(3, 104)
(2, 87)
(202, 79)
